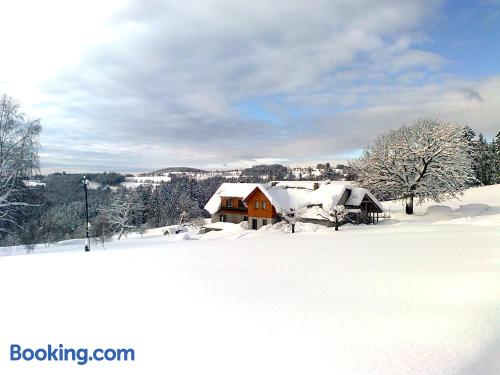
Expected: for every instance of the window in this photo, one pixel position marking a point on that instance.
(264, 206)
(223, 218)
(257, 205)
(264, 222)
(229, 202)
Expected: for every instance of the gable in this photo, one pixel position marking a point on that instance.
(360, 195)
(228, 190)
(345, 196)
(259, 205)
(256, 194)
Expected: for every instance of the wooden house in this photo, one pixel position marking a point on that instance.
(263, 204)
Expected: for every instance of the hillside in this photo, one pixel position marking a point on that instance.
(413, 295)
(478, 206)
(173, 169)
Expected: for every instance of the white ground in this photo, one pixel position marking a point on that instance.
(417, 295)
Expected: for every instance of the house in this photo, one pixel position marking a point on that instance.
(262, 204)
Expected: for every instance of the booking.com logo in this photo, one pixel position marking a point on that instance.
(59, 353)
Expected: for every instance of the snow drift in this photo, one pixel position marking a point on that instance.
(416, 296)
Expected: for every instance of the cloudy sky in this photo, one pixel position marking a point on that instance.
(132, 85)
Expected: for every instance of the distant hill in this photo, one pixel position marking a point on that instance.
(172, 170)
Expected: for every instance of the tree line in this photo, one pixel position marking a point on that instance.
(56, 211)
(425, 160)
(485, 157)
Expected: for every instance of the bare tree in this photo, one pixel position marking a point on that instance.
(101, 230)
(18, 158)
(335, 215)
(123, 213)
(427, 160)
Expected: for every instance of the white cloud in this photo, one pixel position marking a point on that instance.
(129, 84)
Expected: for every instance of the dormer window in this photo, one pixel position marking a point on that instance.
(229, 203)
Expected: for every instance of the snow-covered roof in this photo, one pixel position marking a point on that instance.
(357, 195)
(297, 184)
(285, 195)
(314, 212)
(228, 189)
(298, 194)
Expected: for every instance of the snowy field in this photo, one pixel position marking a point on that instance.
(418, 295)
(134, 182)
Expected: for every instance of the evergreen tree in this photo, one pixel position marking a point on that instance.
(328, 173)
(484, 161)
(496, 156)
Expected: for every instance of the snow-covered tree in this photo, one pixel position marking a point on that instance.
(291, 216)
(123, 212)
(18, 158)
(101, 229)
(484, 161)
(188, 209)
(336, 214)
(496, 152)
(427, 160)
(198, 222)
(327, 172)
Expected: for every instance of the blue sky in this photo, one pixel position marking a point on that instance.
(464, 33)
(133, 85)
(468, 35)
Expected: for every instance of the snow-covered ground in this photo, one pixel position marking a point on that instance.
(134, 182)
(412, 295)
(33, 183)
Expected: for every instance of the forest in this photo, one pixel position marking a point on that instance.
(38, 209)
(56, 205)
(56, 210)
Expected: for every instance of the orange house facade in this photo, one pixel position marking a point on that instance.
(235, 203)
(260, 210)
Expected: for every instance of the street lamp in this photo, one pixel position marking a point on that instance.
(87, 224)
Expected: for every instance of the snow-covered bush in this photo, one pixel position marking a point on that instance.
(291, 216)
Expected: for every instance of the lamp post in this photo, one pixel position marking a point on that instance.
(87, 224)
